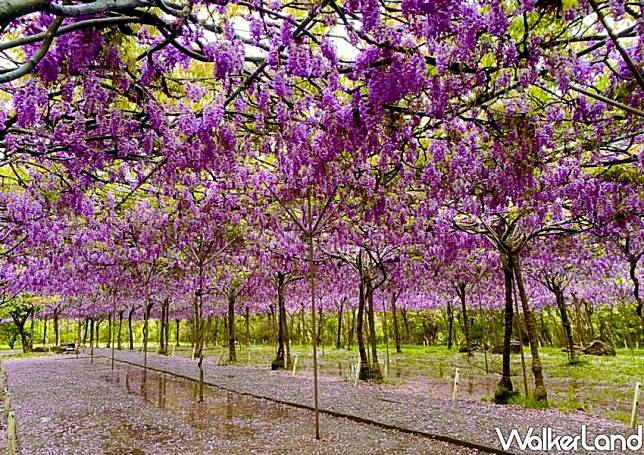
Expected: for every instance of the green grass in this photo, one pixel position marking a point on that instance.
(624, 368)
(527, 402)
(22, 355)
(438, 361)
(620, 416)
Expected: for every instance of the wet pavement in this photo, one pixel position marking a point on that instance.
(72, 406)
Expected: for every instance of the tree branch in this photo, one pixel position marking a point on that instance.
(30, 64)
(634, 69)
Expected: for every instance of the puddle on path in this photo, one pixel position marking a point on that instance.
(83, 408)
(229, 415)
(252, 425)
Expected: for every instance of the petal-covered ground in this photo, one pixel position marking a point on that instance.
(71, 406)
(469, 420)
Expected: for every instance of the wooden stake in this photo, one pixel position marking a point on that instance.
(294, 364)
(12, 438)
(636, 403)
(7, 404)
(455, 389)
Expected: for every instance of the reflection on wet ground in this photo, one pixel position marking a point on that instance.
(230, 414)
(246, 425)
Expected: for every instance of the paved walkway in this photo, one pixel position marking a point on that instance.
(71, 406)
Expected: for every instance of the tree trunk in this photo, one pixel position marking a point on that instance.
(25, 340)
(540, 393)
(225, 336)
(109, 331)
(303, 338)
(232, 354)
(56, 330)
(247, 318)
(161, 349)
(403, 311)
(461, 290)
(31, 327)
(91, 333)
(450, 323)
(505, 390)
(119, 346)
(91, 339)
(98, 325)
(129, 326)
(579, 321)
(176, 333)
(44, 332)
(636, 288)
(199, 332)
(191, 323)
(385, 331)
(319, 340)
(85, 332)
(20, 319)
(588, 306)
(394, 317)
(291, 329)
(561, 304)
(281, 361)
(78, 337)
(166, 335)
(376, 373)
(146, 319)
(351, 329)
(365, 372)
(338, 341)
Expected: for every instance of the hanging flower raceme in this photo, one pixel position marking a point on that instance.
(228, 57)
(437, 12)
(390, 75)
